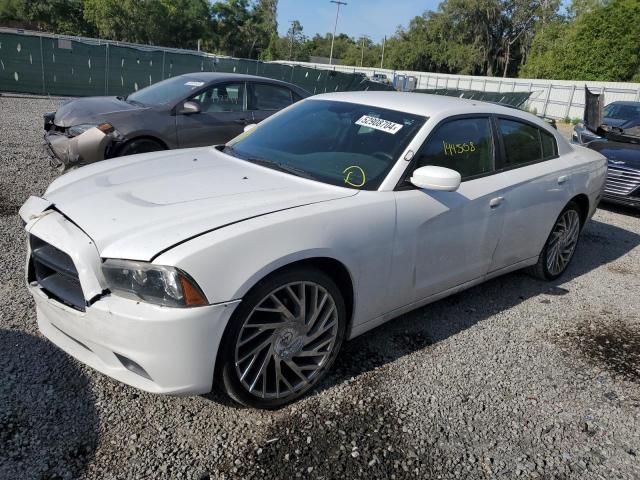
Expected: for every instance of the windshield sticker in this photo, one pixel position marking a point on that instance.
(354, 176)
(194, 84)
(458, 148)
(379, 124)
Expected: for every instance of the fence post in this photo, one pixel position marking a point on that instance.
(106, 70)
(546, 100)
(163, 52)
(568, 109)
(638, 96)
(42, 66)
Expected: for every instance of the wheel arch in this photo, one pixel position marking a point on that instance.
(583, 202)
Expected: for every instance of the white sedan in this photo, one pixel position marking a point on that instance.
(250, 264)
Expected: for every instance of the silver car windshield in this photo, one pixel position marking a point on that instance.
(340, 143)
(167, 91)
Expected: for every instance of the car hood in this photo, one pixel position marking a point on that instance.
(619, 154)
(136, 207)
(91, 110)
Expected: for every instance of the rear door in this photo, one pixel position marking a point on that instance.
(536, 184)
(265, 99)
(223, 115)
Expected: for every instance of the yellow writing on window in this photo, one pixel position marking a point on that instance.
(458, 148)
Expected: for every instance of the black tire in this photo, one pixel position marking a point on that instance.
(540, 269)
(140, 145)
(229, 375)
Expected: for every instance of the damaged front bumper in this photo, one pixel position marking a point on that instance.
(91, 146)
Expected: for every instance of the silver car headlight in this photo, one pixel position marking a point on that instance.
(167, 286)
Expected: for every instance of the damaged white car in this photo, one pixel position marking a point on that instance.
(251, 264)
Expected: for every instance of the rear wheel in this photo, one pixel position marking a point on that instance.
(283, 338)
(561, 244)
(140, 145)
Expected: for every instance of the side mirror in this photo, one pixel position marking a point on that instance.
(250, 127)
(436, 178)
(189, 108)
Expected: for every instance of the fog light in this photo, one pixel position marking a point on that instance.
(132, 366)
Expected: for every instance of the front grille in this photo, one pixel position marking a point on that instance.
(621, 181)
(55, 273)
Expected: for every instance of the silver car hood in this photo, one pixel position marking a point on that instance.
(136, 207)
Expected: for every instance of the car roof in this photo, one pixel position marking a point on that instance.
(422, 103)
(217, 76)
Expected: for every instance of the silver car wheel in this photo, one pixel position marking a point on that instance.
(286, 340)
(562, 243)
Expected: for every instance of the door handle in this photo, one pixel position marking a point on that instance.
(496, 202)
(562, 179)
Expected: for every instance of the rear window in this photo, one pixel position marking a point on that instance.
(521, 142)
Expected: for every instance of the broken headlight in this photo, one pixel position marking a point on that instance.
(167, 286)
(76, 130)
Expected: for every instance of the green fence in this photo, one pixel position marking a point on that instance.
(51, 65)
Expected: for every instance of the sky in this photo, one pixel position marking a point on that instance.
(374, 18)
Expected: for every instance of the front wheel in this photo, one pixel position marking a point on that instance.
(561, 244)
(140, 145)
(283, 338)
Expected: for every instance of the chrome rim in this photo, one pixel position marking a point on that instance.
(563, 242)
(286, 340)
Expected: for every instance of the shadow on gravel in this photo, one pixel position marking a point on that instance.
(48, 424)
(600, 244)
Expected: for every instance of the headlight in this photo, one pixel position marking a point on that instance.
(167, 286)
(76, 130)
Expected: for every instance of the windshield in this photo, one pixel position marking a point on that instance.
(167, 91)
(340, 143)
(620, 111)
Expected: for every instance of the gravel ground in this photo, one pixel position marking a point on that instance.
(513, 378)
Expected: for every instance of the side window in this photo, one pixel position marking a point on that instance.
(464, 145)
(549, 148)
(270, 97)
(228, 97)
(521, 142)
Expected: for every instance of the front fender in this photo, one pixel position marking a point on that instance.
(356, 231)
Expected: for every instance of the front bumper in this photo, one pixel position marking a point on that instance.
(88, 147)
(157, 349)
(175, 347)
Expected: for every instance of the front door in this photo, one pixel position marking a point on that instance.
(265, 99)
(445, 239)
(223, 115)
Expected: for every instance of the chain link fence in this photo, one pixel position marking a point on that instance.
(38, 63)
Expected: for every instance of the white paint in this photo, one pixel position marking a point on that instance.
(18, 47)
(403, 249)
(53, 57)
(89, 62)
(121, 80)
(135, 86)
(2, 65)
(16, 76)
(31, 59)
(122, 62)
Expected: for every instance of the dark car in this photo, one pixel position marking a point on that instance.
(191, 110)
(622, 114)
(623, 174)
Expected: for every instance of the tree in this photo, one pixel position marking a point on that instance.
(599, 44)
(59, 16)
(169, 23)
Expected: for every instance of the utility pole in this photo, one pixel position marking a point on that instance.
(362, 56)
(384, 40)
(293, 34)
(338, 3)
